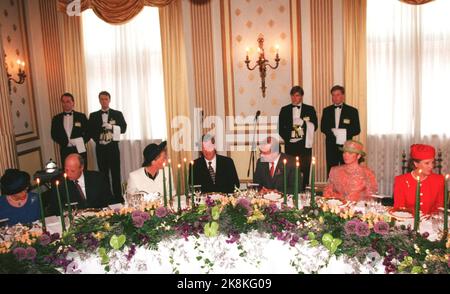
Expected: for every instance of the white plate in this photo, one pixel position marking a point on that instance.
(272, 196)
(335, 202)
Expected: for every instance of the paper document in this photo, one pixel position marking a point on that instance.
(116, 133)
(79, 143)
(341, 136)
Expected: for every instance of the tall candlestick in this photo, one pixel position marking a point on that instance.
(69, 207)
(44, 227)
(284, 182)
(164, 185)
(61, 212)
(192, 184)
(297, 165)
(170, 182)
(446, 206)
(417, 206)
(179, 187)
(186, 181)
(313, 183)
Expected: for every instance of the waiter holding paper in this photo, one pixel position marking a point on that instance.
(339, 123)
(69, 129)
(105, 127)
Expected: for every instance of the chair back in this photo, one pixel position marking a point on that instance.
(437, 163)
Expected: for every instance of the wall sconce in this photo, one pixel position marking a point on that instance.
(262, 63)
(21, 75)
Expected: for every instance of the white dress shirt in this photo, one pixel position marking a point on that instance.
(337, 115)
(296, 113)
(213, 163)
(68, 125)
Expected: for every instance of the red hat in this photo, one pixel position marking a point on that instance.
(422, 152)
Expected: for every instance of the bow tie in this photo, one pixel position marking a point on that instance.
(337, 106)
(296, 106)
(104, 112)
(67, 113)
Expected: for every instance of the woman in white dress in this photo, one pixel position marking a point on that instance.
(149, 178)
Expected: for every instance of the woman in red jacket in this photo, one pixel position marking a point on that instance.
(431, 185)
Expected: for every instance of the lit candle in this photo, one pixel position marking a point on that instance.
(44, 228)
(246, 53)
(164, 185)
(179, 187)
(69, 207)
(417, 207)
(192, 183)
(313, 182)
(446, 206)
(297, 165)
(61, 213)
(19, 63)
(170, 182)
(277, 47)
(284, 181)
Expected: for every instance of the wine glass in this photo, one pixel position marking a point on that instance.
(252, 189)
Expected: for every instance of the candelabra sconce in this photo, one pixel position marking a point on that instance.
(20, 75)
(262, 63)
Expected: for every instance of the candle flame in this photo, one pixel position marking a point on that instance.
(38, 181)
(247, 49)
(277, 47)
(169, 161)
(192, 162)
(23, 63)
(179, 165)
(18, 61)
(297, 158)
(57, 183)
(446, 176)
(284, 161)
(313, 160)
(164, 164)
(65, 175)
(297, 164)
(184, 159)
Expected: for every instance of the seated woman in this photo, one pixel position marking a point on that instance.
(351, 181)
(16, 203)
(431, 185)
(148, 178)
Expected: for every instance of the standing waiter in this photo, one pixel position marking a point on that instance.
(69, 129)
(339, 123)
(296, 125)
(105, 127)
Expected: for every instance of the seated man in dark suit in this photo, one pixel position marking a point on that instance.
(269, 173)
(214, 172)
(89, 188)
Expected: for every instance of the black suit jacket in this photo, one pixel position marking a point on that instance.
(285, 121)
(96, 122)
(263, 178)
(349, 120)
(98, 193)
(226, 175)
(79, 129)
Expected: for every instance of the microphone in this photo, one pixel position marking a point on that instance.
(258, 113)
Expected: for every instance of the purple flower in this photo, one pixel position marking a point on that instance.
(362, 229)
(425, 235)
(245, 203)
(350, 227)
(72, 268)
(20, 253)
(209, 202)
(381, 228)
(138, 221)
(292, 242)
(139, 217)
(54, 236)
(31, 253)
(161, 212)
(45, 239)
